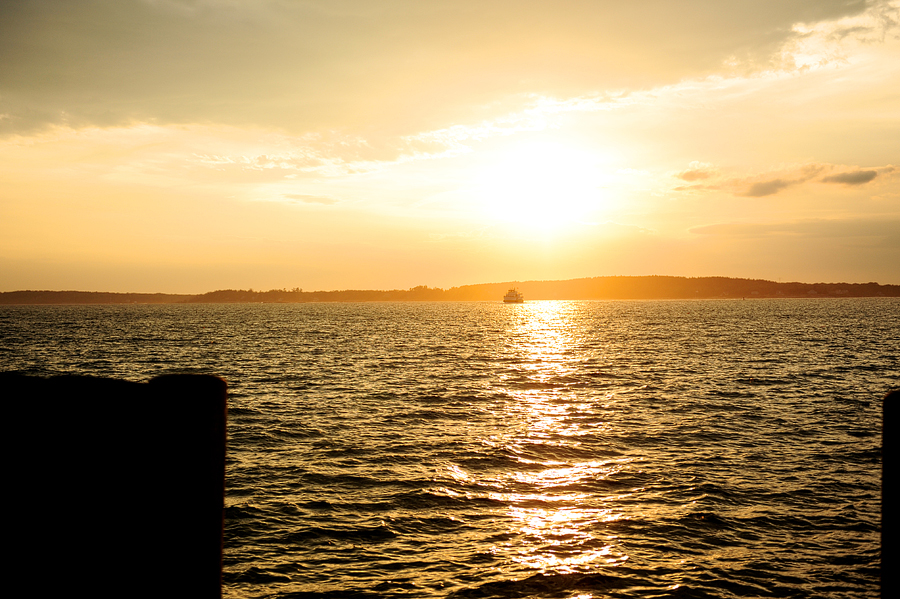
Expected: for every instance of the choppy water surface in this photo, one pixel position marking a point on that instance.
(550, 449)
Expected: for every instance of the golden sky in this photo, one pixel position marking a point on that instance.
(191, 145)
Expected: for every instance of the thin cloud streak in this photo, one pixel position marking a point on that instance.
(852, 178)
(767, 185)
(767, 188)
(874, 228)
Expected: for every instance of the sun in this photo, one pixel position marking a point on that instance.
(539, 186)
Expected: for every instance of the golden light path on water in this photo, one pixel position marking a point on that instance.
(557, 526)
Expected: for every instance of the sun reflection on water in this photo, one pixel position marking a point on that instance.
(558, 514)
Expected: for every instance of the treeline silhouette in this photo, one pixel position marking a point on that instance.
(644, 287)
(89, 297)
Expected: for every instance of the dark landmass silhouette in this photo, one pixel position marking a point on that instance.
(642, 287)
(89, 297)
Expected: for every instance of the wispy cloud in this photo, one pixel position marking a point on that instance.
(761, 185)
(852, 178)
(697, 172)
(767, 188)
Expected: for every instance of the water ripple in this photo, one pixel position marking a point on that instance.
(551, 449)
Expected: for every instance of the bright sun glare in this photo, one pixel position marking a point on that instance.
(540, 186)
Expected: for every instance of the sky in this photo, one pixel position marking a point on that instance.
(183, 146)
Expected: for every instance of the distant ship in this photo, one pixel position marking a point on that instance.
(513, 297)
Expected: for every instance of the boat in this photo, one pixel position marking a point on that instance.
(513, 297)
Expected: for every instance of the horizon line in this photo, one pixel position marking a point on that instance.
(300, 290)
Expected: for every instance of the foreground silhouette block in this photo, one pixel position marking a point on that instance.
(890, 474)
(116, 488)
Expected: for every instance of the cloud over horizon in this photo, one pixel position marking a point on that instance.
(261, 142)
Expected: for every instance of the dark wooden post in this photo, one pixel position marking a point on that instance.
(889, 493)
(115, 489)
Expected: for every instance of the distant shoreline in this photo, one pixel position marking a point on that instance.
(599, 288)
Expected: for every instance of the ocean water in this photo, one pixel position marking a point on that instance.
(550, 449)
